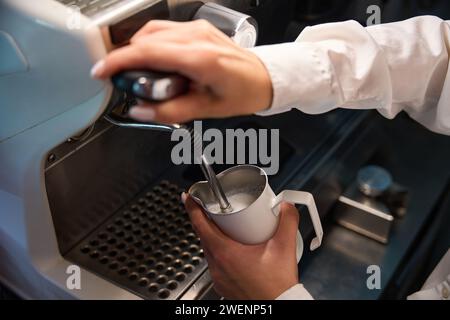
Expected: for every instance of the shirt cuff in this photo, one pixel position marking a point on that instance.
(301, 75)
(297, 292)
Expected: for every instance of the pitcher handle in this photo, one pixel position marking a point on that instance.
(307, 199)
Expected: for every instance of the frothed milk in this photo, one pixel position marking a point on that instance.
(238, 202)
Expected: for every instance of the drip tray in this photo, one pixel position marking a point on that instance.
(148, 247)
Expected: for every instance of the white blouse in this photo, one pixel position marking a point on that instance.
(401, 66)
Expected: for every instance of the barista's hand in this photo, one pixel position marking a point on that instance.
(249, 272)
(227, 79)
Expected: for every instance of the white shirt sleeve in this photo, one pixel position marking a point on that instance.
(297, 292)
(401, 66)
(437, 286)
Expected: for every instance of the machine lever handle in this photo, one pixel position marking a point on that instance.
(151, 86)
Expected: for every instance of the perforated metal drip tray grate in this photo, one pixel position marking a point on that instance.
(148, 247)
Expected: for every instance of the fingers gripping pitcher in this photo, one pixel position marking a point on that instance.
(255, 215)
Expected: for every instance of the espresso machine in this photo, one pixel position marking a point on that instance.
(80, 192)
(149, 250)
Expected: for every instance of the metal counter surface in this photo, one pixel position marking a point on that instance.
(418, 159)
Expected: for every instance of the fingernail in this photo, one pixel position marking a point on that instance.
(142, 113)
(183, 197)
(98, 69)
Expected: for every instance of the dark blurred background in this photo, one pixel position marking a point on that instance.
(283, 20)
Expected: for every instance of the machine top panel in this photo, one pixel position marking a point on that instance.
(90, 7)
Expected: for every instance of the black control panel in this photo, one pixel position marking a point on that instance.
(122, 31)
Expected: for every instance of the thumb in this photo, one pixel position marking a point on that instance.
(286, 234)
(210, 235)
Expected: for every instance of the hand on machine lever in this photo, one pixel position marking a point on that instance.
(211, 76)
